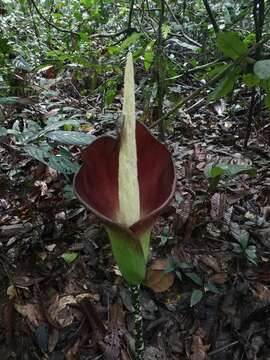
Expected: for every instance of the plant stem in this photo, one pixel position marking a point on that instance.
(138, 321)
(211, 16)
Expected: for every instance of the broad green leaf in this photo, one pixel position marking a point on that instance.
(251, 79)
(131, 40)
(70, 137)
(231, 45)
(262, 69)
(69, 257)
(63, 165)
(225, 85)
(9, 100)
(196, 297)
(234, 170)
(40, 153)
(195, 278)
(43, 153)
(211, 171)
(243, 239)
(230, 170)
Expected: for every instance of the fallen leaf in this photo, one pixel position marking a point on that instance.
(157, 279)
(211, 262)
(199, 350)
(31, 312)
(60, 310)
(69, 257)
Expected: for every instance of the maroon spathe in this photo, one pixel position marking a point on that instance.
(96, 183)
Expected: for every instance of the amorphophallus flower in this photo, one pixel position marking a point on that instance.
(127, 182)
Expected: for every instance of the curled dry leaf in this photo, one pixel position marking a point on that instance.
(157, 279)
(60, 310)
(183, 212)
(218, 206)
(199, 350)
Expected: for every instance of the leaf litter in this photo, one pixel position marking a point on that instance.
(69, 299)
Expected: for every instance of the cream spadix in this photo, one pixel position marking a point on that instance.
(128, 185)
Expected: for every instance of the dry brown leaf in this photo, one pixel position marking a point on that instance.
(31, 312)
(156, 279)
(219, 279)
(198, 348)
(218, 206)
(61, 312)
(211, 262)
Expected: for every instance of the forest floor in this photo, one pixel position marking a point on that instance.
(207, 291)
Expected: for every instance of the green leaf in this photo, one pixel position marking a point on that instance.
(234, 170)
(250, 39)
(3, 131)
(5, 48)
(9, 100)
(131, 40)
(251, 80)
(252, 255)
(195, 278)
(196, 297)
(70, 137)
(40, 153)
(55, 123)
(267, 100)
(230, 170)
(69, 257)
(109, 97)
(243, 239)
(212, 287)
(165, 30)
(262, 69)
(44, 154)
(63, 165)
(236, 248)
(225, 85)
(211, 171)
(148, 58)
(231, 45)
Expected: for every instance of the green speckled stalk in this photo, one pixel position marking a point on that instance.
(138, 322)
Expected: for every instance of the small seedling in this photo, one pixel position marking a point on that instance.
(242, 247)
(215, 173)
(184, 269)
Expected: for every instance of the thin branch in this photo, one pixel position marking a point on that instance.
(191, 96)
(50, 23)
(130, 17)
(105, 35)
(178, 22)
(211, 16)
